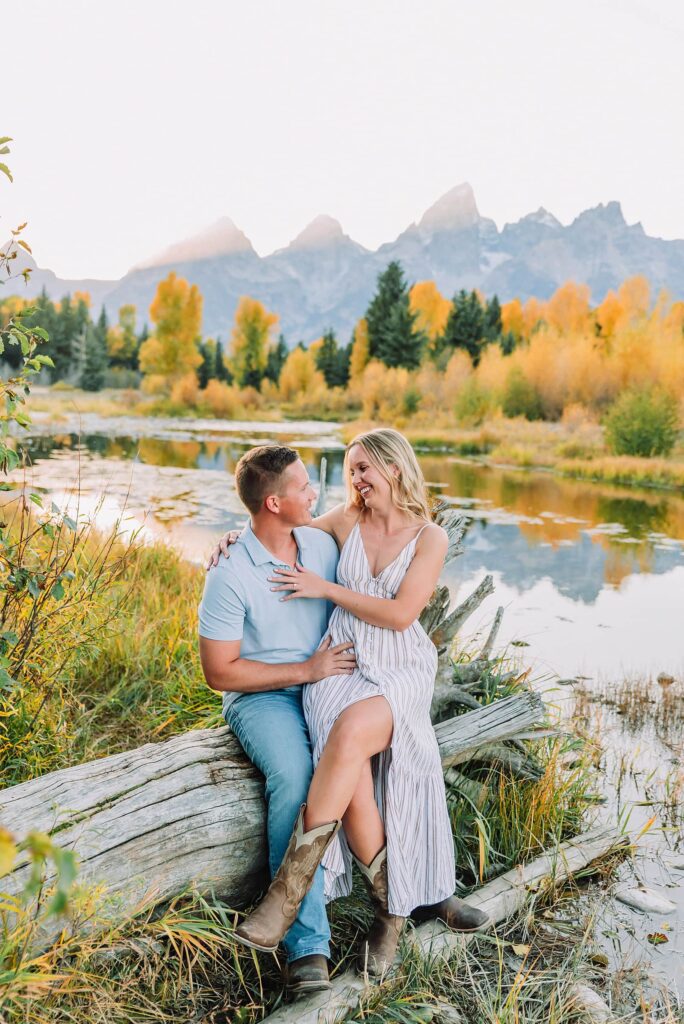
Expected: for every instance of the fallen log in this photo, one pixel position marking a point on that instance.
(151, 822)
(501, 899)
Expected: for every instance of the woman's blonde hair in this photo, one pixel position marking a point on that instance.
(386, 448)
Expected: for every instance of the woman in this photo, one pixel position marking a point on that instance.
(377, 764)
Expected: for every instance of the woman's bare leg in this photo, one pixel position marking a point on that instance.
(362, 730)
(362, 823)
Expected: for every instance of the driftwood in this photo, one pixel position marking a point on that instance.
(501, 899)
(154, 821)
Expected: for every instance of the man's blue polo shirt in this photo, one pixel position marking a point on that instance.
(238, 603)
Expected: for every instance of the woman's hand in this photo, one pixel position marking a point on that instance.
(300, 582)
(223, 547)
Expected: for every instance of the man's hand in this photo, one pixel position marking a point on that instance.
(223, 547)
(331, 661)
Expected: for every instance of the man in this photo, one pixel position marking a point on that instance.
(259, 652)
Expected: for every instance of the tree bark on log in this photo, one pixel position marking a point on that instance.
(149, 823)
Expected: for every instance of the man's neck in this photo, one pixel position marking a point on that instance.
(276, 538)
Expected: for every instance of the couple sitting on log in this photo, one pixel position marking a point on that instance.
(343, 695)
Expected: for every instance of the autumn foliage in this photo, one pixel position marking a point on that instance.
(171, 353)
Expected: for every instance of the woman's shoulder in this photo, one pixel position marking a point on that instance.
(338, 521)
(433, 537)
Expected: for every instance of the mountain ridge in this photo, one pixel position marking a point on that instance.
(324, 278)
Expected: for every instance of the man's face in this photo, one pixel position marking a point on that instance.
(296, 497)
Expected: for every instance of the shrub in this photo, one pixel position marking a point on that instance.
(472, 404)
(223, 401)
(121, 377)
(521, 397)
(411, 400)
(185, 391)
(642, 422)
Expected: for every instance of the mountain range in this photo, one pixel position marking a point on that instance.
(323, 278)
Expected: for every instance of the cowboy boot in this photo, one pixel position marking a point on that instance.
(266, 926)
(380, 945)
(305, 975)
(456, 914)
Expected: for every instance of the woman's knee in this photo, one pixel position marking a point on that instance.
(361, 732)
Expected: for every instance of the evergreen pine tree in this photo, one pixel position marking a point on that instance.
(327, 358)
(507, 342)
(465, 325)
(402, 343)
(277, 354)
(221, 371)
(206, 369)
(392, 334)
(391, 287)
(492, 320)
(343, 364)
(95, 355)
(62, 340)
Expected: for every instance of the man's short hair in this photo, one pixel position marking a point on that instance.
(258, 473)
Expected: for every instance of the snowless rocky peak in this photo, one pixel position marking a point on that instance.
(318, 234)
(220, 239)
(542, 216)
(456, 210)
(609, 214)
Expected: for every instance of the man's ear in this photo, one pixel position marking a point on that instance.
(272, 503)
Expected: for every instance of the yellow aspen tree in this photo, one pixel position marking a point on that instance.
(299, 374)
(635, 297)
(609, 314)
(512, 319)
(360, 350)
(568, 308)
(122, 341)
(171, 352)
(534, 313)
(431, 308)
(250, 342)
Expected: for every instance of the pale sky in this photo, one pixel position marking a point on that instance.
(139, 122)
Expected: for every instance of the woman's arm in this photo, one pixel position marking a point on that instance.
(338, 522)
(391, 613)
(332, 522)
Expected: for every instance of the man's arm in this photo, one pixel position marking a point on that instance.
(224, 669)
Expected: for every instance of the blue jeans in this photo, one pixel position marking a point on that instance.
(272, 730)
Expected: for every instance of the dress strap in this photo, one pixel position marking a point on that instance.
(420, 531)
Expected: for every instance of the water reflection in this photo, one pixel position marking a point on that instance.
(558, 548)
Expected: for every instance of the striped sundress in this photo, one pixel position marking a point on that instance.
(409, 785)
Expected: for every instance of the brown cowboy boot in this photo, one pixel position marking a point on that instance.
(456, 914)
(307, 974)
(380, 945)
(265, 927)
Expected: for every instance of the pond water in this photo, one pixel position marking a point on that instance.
(591, 577)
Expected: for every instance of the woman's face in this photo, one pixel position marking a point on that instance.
(366, 479)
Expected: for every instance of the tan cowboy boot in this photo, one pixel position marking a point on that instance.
(456, 914)
(380, 945)
(267, 925)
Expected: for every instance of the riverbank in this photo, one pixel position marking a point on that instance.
(573, 447)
